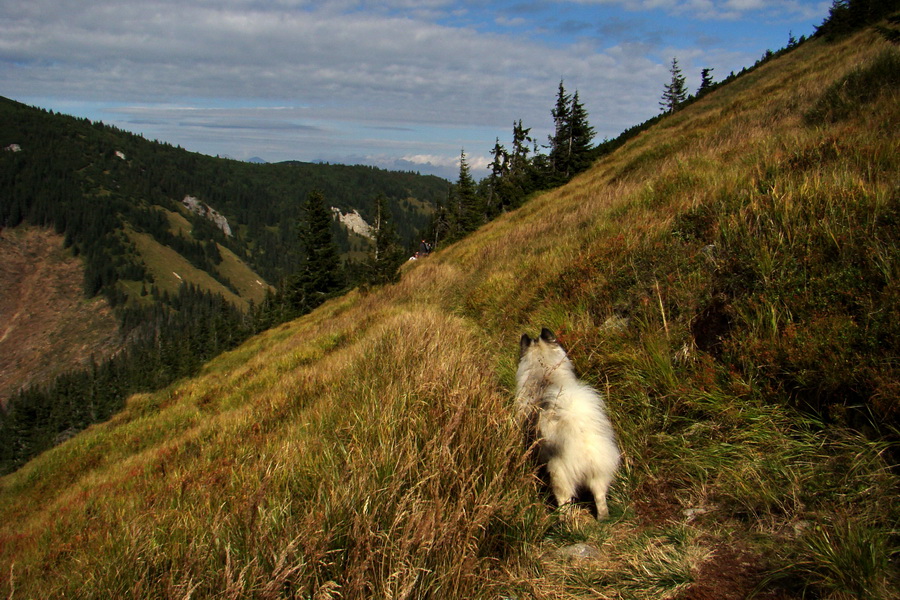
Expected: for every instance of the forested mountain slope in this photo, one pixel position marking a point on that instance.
(117, 197)
(728, 278)
(154, 236)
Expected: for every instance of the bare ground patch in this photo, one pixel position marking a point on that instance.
(47, 327)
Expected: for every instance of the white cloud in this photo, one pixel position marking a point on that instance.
(159, 51)
(723, 9)
(744, 5)
(431, 159)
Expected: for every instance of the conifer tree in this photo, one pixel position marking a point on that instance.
(581, 135)
(319, 276)
(570, 145)
(500, 164)
(518, 160)
(511, 174)
(441, 228)
(675, 92)
(498, 199)
(469, 207)
(386, 255)
(706, 81)
(560, 141)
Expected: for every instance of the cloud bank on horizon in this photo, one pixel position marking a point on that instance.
(401, 84)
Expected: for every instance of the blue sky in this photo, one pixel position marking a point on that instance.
(399, 84)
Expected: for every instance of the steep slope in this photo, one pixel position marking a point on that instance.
(718, 277)
(46, 326)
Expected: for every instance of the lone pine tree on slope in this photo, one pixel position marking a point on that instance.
(706, 81)
(675, 92)
(319, 276)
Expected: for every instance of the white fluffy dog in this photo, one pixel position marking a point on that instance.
(566, 420)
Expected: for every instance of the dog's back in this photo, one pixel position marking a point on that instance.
(567, 419)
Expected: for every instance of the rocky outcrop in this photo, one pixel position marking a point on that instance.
(354, 222)
(205, 210)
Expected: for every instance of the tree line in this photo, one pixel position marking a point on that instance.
(168, 341)
(844, 17)
(528, 166)
(517, 171)
(87, 180)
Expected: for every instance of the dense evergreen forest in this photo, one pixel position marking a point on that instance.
(88, 179)
(174, 341)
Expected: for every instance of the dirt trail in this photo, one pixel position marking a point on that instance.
(46, 325)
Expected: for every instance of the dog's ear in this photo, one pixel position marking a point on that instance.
(548, 336)
(524, 343)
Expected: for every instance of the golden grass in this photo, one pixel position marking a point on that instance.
(366, 450)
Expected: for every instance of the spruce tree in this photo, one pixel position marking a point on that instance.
(581, 134)
(319, 276)
(518, 159)
(498, 199)
(469, 207)
(570, 145)
(560, 141)
(706, 81)
(675, 92)
(441, 228)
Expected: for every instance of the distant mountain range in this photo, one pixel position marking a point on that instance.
(62, 171)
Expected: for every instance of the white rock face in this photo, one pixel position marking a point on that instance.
(204, 210)
(120, 154)
(354, 222)
(13, 148)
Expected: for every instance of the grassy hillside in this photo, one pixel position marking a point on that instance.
(728, 278)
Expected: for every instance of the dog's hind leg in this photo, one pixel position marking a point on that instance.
(561, 485)
(599, 485)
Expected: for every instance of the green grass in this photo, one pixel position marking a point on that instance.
(170, 270)
(861, 87)
(728, 280)
(246, 281)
